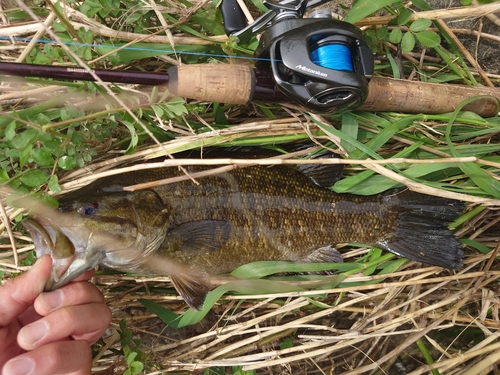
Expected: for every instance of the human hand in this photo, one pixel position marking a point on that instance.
(49, 333)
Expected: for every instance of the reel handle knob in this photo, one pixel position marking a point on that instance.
(232, 16)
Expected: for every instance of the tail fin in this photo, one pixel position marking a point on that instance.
(421, 231)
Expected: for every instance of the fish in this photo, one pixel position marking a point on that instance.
(189, 231)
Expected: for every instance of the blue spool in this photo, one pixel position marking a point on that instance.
(333, 56)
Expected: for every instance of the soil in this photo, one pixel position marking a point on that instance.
(487, 51)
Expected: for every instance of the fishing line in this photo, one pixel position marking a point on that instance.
(326, 54)
(130, 48)
(331, 54)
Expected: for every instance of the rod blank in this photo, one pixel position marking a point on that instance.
(81, 74)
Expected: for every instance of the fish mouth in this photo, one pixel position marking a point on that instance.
(66, 252)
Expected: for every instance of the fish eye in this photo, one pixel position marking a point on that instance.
(87, 209)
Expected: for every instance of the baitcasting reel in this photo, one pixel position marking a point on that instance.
(321, 63)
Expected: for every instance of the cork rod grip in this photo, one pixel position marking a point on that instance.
(223, 83)
(386, 94)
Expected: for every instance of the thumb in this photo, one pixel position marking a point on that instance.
(19, 293)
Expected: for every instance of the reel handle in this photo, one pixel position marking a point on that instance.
(232, 16)
(241, 84)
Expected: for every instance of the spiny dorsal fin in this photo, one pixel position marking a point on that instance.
(323, 175)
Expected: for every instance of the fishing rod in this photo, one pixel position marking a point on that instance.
(323, 65)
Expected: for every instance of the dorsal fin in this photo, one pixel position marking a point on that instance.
(323, 175)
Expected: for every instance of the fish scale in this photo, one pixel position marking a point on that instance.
(276, 213)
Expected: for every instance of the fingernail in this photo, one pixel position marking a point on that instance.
(34, 332)
(51, 300)
(19, 366)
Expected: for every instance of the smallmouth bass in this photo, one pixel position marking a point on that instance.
(230, 219)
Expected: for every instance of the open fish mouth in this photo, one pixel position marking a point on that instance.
(49, 240)
(64, 251)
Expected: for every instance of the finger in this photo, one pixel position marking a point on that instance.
(19, 293)
(52, 359)
(72, 294)
(84, 322)
(85, 276)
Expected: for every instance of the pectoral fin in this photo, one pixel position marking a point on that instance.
(199, 236)
(192, 288)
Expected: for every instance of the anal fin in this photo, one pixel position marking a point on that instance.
(326, 254)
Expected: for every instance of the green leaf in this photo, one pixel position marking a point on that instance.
(10, 131)
(3, 175)
(394, 66)
(22, 140)
(158, 110)
(363, 8)
(131, 357)
(239, 286)
(24, 154)
(265, 268)
(350, 127)
(42, 157)
(408, 42)
(404, 17)
(428, 39)
(219, 115)
(54, 184)
(167, 316)
(393, 266)
(136, 367)
(420, 24)
(382, 32)
(90, 7)
(482, 179)
(59, 26)
(177, 105)
(34, 178)
(67, 162)
(287, 343)
(422, 4)
(395, 36)
(48, 200)
(134, 137)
